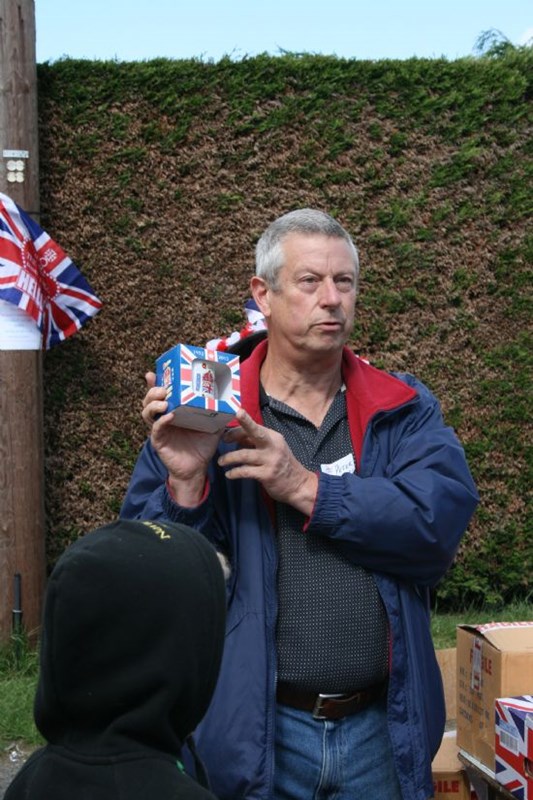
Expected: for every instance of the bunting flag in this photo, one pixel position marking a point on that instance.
(37, 276)
(255, 321)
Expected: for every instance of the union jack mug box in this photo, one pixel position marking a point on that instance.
(203, 386)
(514, 745)
(493, 660)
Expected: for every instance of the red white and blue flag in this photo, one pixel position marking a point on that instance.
(37, 276)
(514, 745)
(255, 321)
(189, 358)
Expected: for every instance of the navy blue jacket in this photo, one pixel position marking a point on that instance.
(401, 516)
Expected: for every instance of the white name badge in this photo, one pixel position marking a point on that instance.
(344, 464)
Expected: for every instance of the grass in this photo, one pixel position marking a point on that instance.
(18, 679)
(444, 626)
(19, 670)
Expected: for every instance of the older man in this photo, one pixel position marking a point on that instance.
(339, 499)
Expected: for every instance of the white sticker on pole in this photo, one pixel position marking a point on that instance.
(18, 331)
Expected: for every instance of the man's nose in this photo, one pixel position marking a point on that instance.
(329, 293)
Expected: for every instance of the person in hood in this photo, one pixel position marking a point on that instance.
(340, 498)
(132, 639)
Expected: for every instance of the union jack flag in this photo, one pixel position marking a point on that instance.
(255, 321)
(37, 276)
(514, 745)
(226, 402)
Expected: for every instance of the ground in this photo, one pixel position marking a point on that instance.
(11, 760)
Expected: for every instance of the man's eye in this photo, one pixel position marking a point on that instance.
(345, 282)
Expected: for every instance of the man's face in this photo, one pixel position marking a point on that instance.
(312, 308)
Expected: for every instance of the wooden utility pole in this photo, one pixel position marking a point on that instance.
(22, 530)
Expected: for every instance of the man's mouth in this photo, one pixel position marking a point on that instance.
(329, 323)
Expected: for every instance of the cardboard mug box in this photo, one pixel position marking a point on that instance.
(447, 661)
(203, 386)
(450, 781)
(514, 745)
(493, 660)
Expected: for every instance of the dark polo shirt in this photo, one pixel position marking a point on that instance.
(332, 633)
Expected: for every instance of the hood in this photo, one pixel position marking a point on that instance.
(132, 639)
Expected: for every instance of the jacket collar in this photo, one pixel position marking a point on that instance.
(370, 391)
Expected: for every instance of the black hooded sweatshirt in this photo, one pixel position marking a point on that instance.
(132, 639)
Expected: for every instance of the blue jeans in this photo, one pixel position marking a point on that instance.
(346, 759)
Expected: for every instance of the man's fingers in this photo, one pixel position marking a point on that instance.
(154, 409)
(240, 472)
(245, 457)
(161, 422)
(237, 436)
(256, 432)
(156, 393)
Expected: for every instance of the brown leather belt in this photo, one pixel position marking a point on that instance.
(329, 706)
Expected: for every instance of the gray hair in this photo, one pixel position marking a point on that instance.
(269, 256)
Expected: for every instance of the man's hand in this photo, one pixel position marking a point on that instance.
(185, 453)
(264, 455)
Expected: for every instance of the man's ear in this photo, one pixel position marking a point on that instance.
(261, 294)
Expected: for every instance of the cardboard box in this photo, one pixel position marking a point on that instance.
(203, 386)
(450, 780)
(447, 661)
(493, 660)
(514, 745)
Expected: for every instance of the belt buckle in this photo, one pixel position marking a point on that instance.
(320, 702)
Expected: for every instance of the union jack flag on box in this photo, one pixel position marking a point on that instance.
(203, 386)
(514, 745)
(37, 276)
